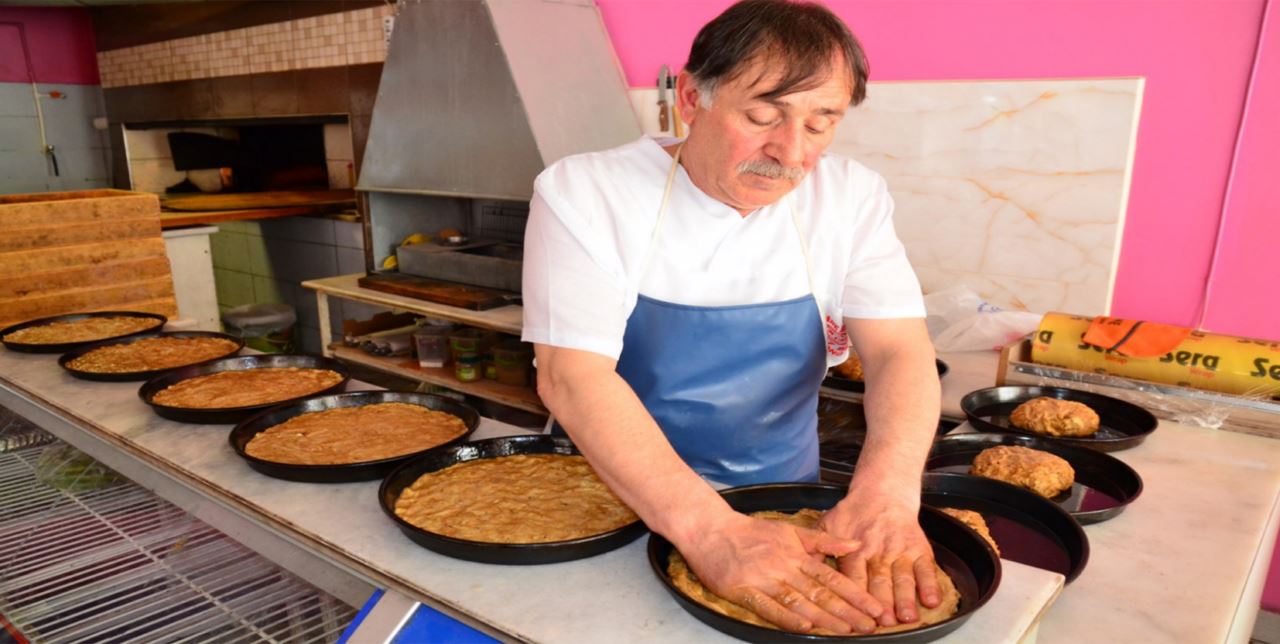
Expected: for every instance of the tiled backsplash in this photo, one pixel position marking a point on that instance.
(266, 261)
(339, 154)
(1016, 189)
(330, 40)
(81, 150)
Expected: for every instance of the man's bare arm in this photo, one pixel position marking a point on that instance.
(902, 403)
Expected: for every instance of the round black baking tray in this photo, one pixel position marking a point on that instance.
(346, 472)
(226, 415)
(1104, 486)
(141, 375)
(837, 381)
(497, 553)
(959, 551)
(1121, 424)
(1028, 528)
(63, 347)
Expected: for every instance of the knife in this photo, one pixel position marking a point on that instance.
(664, 78)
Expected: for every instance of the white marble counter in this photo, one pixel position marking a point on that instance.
(612, 597)
(1186, 561)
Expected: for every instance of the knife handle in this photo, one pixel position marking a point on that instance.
(663, 118)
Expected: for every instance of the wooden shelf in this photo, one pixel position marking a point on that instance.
(507, 319)
(519, 397)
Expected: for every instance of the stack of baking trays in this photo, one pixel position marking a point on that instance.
(1028, 470)
(534, 499)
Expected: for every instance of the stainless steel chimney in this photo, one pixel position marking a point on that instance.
(478, 96)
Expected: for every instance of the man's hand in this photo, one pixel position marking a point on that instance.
(777, 571)
(894, 560)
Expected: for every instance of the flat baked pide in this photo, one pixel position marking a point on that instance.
(246, 388)
(82, 330)
(687, 581)
(355, 434)
(152, 354)
(1041, 472)
(975, 521)
(1054, 417)
(520, 499)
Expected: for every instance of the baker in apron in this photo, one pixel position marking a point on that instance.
(686, 298)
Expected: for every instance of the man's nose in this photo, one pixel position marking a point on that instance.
(787, 145)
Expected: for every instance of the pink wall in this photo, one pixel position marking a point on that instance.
(61, 42)
(1246, 266)
(1195, 54)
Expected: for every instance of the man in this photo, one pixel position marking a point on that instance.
(684, 299)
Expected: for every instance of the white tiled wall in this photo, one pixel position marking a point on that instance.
(338, 154)
(265, 261)
(330, 40)
(82, 151)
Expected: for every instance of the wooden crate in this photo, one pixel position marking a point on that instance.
(1183, 405)
(91, 250)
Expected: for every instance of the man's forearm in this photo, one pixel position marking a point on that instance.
(902, 404)
(628, 450)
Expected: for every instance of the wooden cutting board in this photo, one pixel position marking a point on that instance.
(253, 200)
(450, 293)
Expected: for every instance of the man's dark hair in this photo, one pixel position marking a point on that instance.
(801, 36)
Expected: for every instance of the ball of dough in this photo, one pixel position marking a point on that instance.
(1041, 472)
(1054, 417)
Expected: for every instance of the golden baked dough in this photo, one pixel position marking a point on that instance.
(246, 388)
(685, 579)
(152, 354)
(355, 434)
(1041, 472)
(526, 498)
(1054, 417)
(850, 368)
(82, 330)
(975, 521)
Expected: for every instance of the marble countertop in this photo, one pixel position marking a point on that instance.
(1185, 562)
(611, 597)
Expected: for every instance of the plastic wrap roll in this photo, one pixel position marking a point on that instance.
(1223, 363)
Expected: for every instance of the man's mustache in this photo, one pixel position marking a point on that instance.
(771, 169)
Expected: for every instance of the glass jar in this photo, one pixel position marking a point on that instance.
(513, 360)
(471, 340)
(467, 367)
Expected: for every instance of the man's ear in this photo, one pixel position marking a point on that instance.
(688, 97)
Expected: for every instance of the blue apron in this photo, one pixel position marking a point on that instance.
(734, 388)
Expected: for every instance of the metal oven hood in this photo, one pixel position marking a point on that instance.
(478, 96)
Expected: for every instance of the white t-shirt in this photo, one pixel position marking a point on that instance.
(591, 222)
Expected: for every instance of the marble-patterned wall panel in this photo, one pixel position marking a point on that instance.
(1016, 189)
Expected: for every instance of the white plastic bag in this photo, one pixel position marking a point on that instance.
(960, 320)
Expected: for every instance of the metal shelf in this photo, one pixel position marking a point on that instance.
(107, 560)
